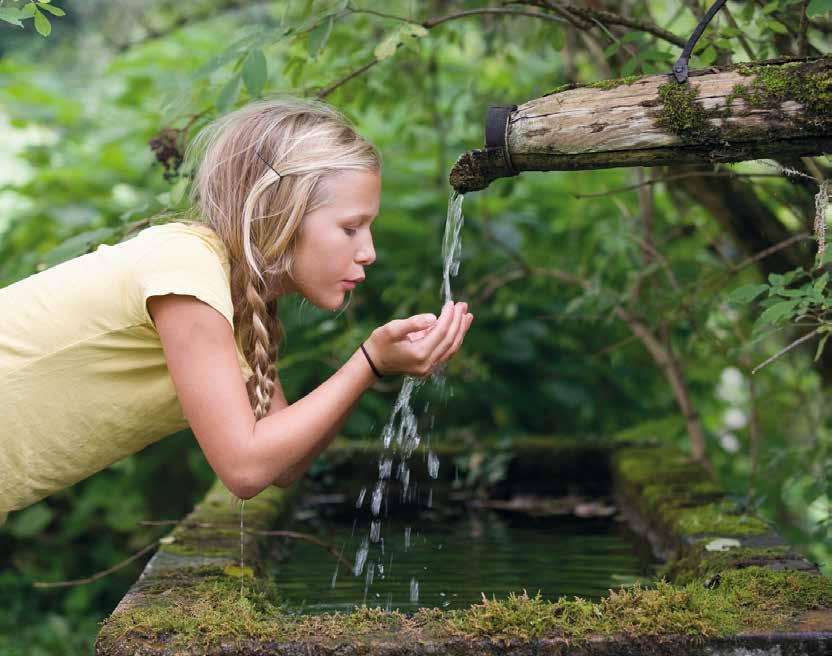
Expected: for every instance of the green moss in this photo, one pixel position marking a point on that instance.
(612, 84)
(681, 114)
(808, 83)
(699, 564)
(676, 495)
(212, 611)
(599, 84)
(746, 600)
(718, 518)
(221, 513)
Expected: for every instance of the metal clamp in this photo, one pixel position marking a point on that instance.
(496, 131)
(680, 68)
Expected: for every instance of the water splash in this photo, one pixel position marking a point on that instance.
(400, 435)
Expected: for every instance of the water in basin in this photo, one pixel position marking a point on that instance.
(447, 556)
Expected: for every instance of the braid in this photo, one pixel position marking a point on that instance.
(262, 350)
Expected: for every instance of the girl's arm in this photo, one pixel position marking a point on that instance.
(248, 455)
(294, 473)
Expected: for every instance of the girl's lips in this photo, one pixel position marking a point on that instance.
(349, 284)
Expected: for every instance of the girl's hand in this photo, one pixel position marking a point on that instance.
(421, 343)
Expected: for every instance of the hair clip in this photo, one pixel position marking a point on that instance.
(267, 164)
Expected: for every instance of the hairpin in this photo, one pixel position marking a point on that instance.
(267, 164)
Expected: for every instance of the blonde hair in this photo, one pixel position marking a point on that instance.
(260, 171)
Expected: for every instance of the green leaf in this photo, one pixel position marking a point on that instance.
(820, 284)
(821, 346)
(629, 66)
(42, 24)
(770, 7)
(31, 521)
(318, 37)
(387, 47)
(255, 71)
(611, 49)
(818, 7)
(707, 56)
(776, 26)
(12, 15)
(777, 312)
(746, 293)
(630, 37)
(52, 9)
(229, 94)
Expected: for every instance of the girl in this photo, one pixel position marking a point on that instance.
(105, 354)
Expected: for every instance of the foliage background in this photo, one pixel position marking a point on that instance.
(79, 107)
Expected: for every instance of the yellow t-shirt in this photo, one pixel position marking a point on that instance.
(83, 377)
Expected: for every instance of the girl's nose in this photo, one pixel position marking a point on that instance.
(366, 255)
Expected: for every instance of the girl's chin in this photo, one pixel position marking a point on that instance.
(333, 303)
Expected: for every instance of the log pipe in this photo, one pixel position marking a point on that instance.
(716, 116)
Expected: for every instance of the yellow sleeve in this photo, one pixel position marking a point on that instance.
(183, 263)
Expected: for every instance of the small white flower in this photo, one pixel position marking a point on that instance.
(729, 442)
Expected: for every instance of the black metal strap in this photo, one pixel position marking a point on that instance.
(680, 68)
(496, 131)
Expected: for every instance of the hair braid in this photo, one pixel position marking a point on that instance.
(263, 338)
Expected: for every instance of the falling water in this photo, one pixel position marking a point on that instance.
(400, 435)
(242, 541)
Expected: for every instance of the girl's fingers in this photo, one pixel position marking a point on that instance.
(460, 336)
(432, 339)
(443, 347)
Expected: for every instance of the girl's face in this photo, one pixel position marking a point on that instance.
(335, 245)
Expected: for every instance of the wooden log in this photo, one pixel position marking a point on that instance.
(774, 108)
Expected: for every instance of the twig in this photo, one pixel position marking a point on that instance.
(669, 178)
(99, 575)
(253, 531)
(782, 352)
(430, 24)
(611, 18)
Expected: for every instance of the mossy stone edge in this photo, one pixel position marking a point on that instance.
(769, 599)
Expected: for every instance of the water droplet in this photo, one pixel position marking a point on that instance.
(433, 464)
(360, 558)
(385, 466)
(375, 530)
(414, 591)
(360, 500)
(378, 492)
(406, 538)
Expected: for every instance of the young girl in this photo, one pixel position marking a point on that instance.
(105, 354)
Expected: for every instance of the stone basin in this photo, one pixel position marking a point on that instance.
(755, 598)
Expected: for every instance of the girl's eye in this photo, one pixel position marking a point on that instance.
(350, 231)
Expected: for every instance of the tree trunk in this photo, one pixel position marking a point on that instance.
(760, 110)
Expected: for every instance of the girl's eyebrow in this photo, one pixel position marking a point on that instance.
(360, 217)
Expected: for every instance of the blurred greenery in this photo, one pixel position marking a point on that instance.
(79, 107)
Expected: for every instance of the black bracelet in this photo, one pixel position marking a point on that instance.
(372, 366)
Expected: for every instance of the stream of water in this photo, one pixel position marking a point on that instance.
(400, 435)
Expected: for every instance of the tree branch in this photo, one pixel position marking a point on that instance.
(428, 25)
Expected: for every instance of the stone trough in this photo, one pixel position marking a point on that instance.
(730, 585)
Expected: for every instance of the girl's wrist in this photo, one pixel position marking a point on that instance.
(361, 369)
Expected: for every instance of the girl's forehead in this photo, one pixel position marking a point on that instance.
(353, 192)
